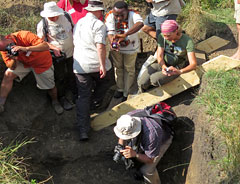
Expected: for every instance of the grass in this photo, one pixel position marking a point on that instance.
(12, 168)
(222, 99)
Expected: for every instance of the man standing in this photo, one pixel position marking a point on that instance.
(90, 64)
(24, 52)
(237, 17)
(56, 28)
(161, 10)
(123, 26)
(152, 139)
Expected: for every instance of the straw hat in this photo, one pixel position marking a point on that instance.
(94, 5)
(51, 10)
(128, 127)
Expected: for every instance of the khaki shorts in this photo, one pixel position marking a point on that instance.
(44, 80)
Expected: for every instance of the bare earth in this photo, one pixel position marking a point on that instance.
(57, 151)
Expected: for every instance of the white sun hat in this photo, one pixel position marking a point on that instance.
(128, 127)
(95, 5)
(51, 10)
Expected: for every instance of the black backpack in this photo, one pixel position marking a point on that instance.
(162, 113)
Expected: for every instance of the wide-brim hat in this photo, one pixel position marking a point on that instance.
(51, 10)
(128, 127)
(95, 5)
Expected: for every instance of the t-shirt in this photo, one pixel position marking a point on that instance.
(153, 136)
(59, 34)
(166, 7)
(77, 10)
(39, 61)
(88, 32)
(115, 27)
(180, 48)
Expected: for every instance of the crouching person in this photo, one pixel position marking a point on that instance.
(151, 142)
(175, 56)
(24, 52)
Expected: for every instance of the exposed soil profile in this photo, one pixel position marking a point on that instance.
(57, 151)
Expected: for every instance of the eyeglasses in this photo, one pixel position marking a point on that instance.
(171, 48)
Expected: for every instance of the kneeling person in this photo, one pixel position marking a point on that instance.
(153, 141)
(175, 55)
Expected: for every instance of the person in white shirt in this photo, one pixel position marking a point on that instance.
(123, 25)
(237, 17)
(90, 64)
(57, 30)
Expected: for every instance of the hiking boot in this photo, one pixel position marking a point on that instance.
(1, 108)
(65, 103)
(118, 94)
(124, 99)
(83, 136)
(57, 107)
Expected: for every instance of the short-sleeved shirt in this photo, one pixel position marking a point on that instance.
(76, 11)
(166, 7)
(237, 12)
(153, 136)
(181, 47)
(115, 27)
(39, 61)
(60, 34)
(88, 32)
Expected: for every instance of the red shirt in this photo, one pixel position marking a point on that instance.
(39, 61)
(77, 11)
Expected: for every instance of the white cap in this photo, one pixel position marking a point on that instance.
(51, 10)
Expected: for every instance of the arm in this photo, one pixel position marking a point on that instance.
(101, 50)
(238, 1)
(160, 55)
(130, 153)
(156, 1)
(136, 27)
(34, 48)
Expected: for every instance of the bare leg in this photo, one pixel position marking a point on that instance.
(150, 31)
(6, 85)
(237, 54)
(53, 93)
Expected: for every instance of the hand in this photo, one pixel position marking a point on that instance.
(102, 72)
(14, 65)
(149, 1)
(119, 37)
(57, 52)
(128, 152)
(170, 71)
(19, 48)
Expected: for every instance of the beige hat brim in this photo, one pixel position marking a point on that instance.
(89, 8)
(134, 134)
(51, 14)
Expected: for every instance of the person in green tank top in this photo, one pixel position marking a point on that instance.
(175, 56)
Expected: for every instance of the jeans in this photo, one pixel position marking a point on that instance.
(90, 88)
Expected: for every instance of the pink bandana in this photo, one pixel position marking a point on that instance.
(169, 26)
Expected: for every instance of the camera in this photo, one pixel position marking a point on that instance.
(118, 155)
(150, 5)
(114, 45)
(10, 51)
(168, 70)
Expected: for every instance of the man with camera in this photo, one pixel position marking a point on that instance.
(161, 10)
(123, 26)
(56, 28)
(151, 142)
(22, 53)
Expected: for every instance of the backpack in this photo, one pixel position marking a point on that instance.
(45, 26)
(162, 113)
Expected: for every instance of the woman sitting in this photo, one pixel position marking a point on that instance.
(175, 55)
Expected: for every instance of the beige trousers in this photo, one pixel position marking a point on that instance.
(149, 171)
(124, 66)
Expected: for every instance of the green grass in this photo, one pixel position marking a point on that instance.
(12, 168)
(223, 15)
(222, 99)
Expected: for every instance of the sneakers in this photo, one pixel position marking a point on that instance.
(65, 103)
(118, 94)
(1, 108)
(83, 136)
(57, 107)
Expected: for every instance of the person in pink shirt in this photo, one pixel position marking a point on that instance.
(74, 7)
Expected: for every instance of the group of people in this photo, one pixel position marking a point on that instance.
(74, 31)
